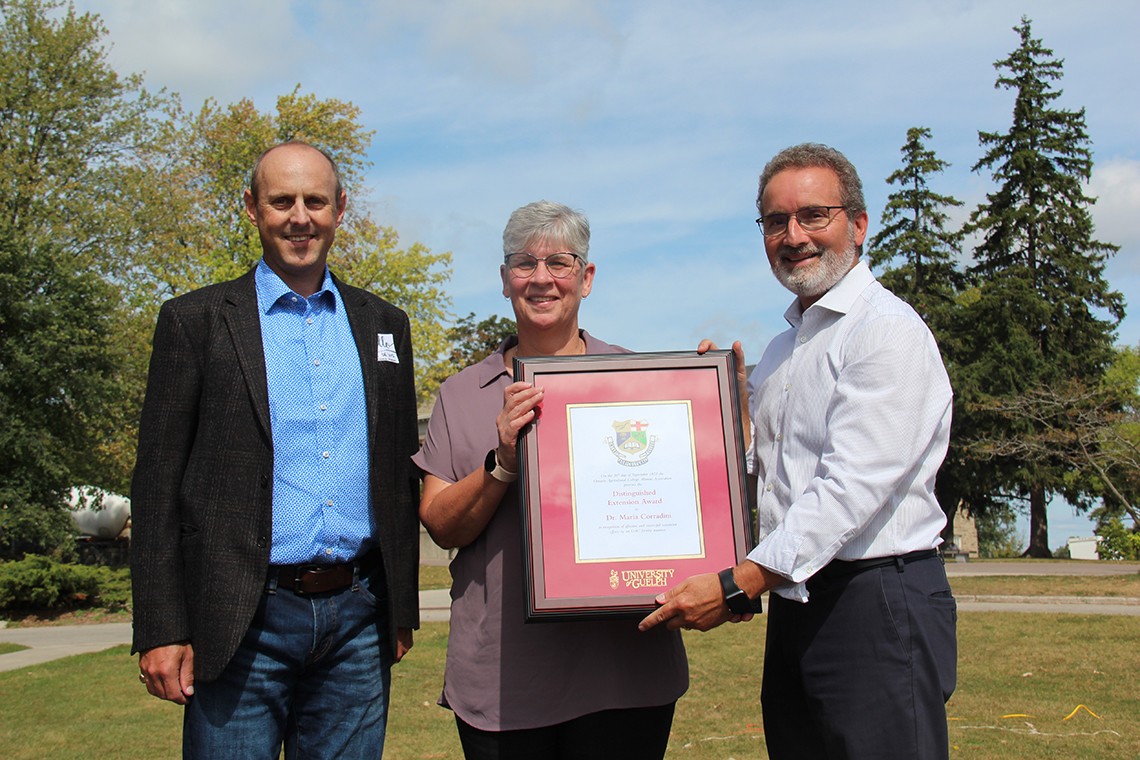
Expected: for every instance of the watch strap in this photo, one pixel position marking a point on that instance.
(738, 601)
(496, 470)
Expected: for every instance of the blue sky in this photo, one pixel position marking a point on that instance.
(653, 117)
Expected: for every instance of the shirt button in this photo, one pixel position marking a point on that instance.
(294, 299)
(328, 551)
(787, 386)
(329, 502)
(323, 407)
(779, 436)
(768, 487)
(325, 455)
(316, 362)
(803, 339)
(309, 320)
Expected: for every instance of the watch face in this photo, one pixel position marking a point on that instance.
(489, 462)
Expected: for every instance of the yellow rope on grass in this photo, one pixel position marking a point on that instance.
(1078, 707)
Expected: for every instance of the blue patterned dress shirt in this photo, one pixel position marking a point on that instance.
(321, 502)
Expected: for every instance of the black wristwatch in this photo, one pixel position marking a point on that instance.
(738, 601)
(496, 470)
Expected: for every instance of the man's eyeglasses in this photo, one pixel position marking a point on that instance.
(560, 265)
(810, 219)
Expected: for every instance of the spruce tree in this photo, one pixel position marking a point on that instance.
(929, 276)
(914, 230)
(1033, 321)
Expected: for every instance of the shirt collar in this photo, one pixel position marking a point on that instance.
(270, 288)
(840, 298)
(494, 367)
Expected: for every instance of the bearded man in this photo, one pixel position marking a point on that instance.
(850, 411)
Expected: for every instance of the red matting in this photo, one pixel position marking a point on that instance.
(563, 577)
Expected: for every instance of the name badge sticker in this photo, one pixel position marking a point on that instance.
(386, 348)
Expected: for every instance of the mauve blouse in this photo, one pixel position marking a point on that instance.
(503, 674)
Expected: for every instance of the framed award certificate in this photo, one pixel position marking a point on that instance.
(632, 478)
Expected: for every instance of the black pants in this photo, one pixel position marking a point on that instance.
(638, 733)
(864, 669)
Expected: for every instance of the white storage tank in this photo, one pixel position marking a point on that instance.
(99, 513)
(1083, 548)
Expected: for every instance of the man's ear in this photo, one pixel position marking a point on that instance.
(341, 205)
(861, 223)
(250, 205)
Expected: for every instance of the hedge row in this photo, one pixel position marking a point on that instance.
(38, 582)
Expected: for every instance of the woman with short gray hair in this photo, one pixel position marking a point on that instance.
(550, 690)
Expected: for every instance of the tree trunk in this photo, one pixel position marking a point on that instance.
(949, 499)
(948, 531)
(950, 508)
(1038, 524)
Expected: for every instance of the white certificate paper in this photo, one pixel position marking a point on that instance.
(633, 476)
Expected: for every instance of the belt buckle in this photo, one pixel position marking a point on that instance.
(298, 578)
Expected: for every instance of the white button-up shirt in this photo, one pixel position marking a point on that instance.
(851, 420)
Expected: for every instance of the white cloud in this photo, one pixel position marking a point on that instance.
(205, 48)
(503, 39)
(1116, 186)
(653, 116)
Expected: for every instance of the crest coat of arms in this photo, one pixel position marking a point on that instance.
(632, 437)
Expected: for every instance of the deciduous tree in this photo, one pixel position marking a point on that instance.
(60, 374)
(75, 141)
(471, 342)
(1093, 429)
(217, 242)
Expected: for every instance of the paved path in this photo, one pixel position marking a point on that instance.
(52, 642)
(435, 605)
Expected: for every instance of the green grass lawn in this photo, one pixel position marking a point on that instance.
(1048, 585)
(434, 576)
(7, 646)
(1020, 675)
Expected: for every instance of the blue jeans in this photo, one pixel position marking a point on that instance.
(312, 672)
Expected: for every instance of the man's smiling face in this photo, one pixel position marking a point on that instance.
(810, 263)
(297, 210)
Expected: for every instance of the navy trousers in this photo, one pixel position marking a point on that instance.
(864, 669)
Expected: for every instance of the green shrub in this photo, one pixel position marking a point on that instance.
(114, 587)
(38, 582)
(1116, 541)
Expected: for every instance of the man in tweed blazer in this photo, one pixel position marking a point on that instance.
(275, 538)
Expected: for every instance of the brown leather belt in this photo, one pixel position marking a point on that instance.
(319, 579)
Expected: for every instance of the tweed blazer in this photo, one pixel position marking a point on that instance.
(202, 494)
